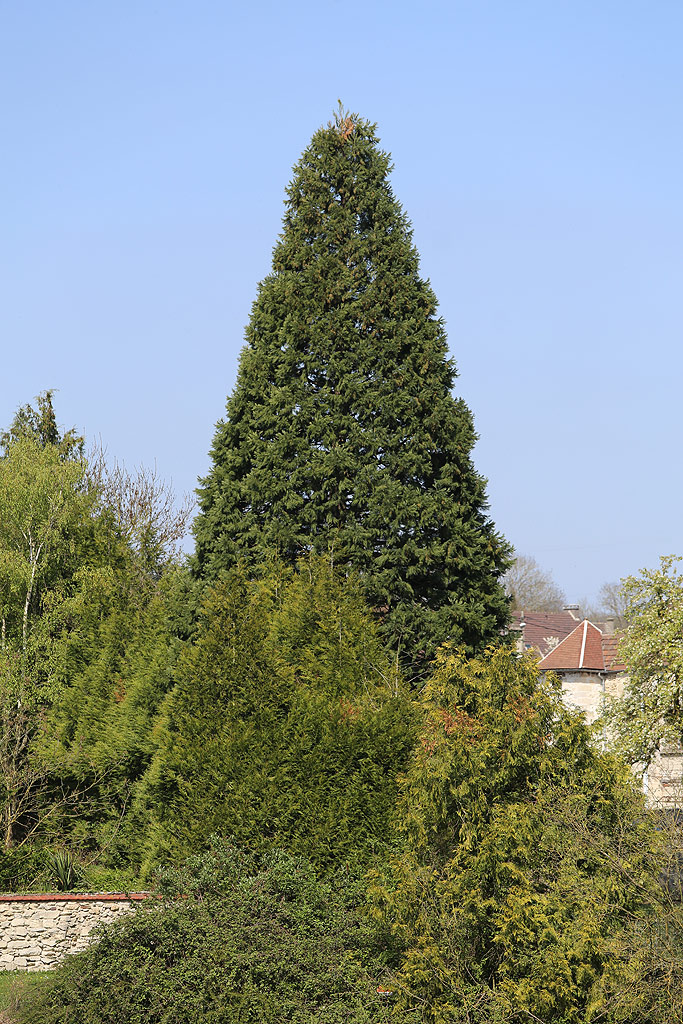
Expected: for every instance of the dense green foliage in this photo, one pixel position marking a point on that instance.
(287, 725)
(47, 529)
(112, 663)
(342, 435)
(516, 872)
(254, 939)
(131, 729)
(527, 886)
(40, 425)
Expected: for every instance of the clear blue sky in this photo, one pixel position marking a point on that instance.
(538, 152)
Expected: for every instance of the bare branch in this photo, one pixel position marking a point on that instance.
(143, 503)
(531, 587)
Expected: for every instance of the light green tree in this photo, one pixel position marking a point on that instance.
(526, 883)
(44, 503)
(43, 499)
(83, 555)
(650, 712)
(112, 661)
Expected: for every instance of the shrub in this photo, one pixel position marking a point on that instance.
(236, 938)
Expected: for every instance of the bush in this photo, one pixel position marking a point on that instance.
(102, 879)
(236, 938)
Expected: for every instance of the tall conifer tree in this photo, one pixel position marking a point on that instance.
(342, 434)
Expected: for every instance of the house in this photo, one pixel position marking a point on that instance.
(586, 659)
(588, 663)
(584, 655)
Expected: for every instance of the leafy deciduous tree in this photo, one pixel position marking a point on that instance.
(44, 502)
(80, 608)
(42, 499)
(650, 712)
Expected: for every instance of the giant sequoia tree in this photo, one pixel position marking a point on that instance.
(342, 434)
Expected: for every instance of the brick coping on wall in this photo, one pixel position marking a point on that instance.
(70, 897)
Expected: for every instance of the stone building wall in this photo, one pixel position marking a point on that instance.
(584, 690)
(589, 690)
(37, 931)
(663, 780)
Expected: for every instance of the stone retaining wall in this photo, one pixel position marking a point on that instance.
(37, 931)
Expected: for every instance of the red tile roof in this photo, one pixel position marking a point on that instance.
(585, 649)
(542, 630)
(546, 632)
(610, 650)
(581, 649)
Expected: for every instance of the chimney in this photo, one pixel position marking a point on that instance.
(608, 626)
(573, 610)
